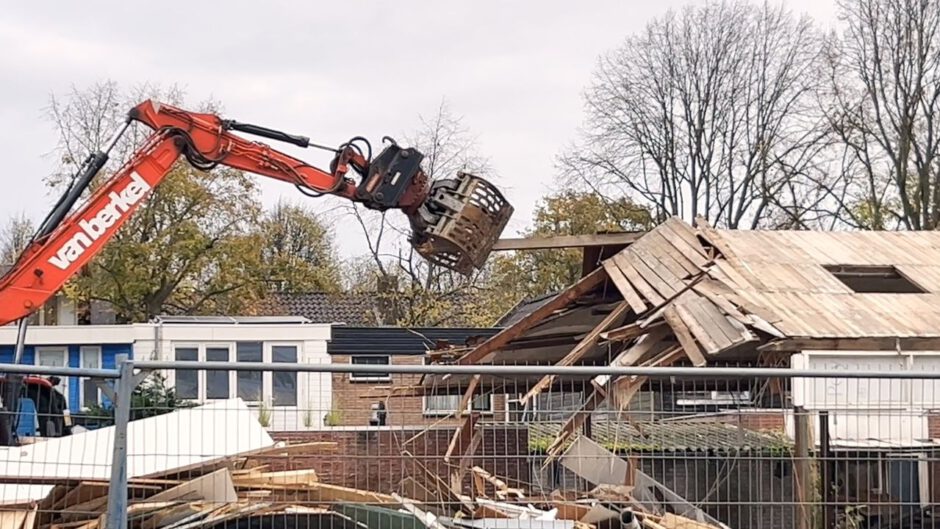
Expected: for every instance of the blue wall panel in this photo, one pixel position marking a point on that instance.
(108, 354)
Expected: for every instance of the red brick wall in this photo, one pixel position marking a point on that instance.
(374, 458)
(352, 399)
(760, 420)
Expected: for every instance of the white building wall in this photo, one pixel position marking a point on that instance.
(869, 412)
(157, 341)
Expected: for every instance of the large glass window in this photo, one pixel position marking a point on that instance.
(249, 383)
(217, 382)
(284, 383)
(187, 380)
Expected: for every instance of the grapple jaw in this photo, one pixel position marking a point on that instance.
(459, 222)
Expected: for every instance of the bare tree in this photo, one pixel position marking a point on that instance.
(709, 111)
(15, 237)
(415, 291)
(885, 92)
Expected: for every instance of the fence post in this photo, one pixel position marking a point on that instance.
(117, 492)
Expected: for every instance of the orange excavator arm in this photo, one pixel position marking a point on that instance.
(454, 222)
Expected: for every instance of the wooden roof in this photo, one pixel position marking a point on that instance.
(784, 273)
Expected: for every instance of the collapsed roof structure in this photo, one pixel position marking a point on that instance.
(696, 295)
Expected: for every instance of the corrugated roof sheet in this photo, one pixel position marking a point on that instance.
(667, 437)
(398, 340)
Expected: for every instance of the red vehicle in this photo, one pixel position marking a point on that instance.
(454, 222)
(48, 407)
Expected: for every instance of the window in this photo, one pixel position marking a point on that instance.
(446, 404)
(54, 357)
(284, 384)
(249, 383)
(516, 411)
(371, 361)
(187, 380)
(90, 359)
(874, 279)
(713, 398)
(217, 382)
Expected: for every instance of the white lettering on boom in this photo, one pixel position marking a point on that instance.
(93, 227)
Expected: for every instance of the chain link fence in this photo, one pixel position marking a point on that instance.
(376, 445)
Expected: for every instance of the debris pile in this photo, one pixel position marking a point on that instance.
(262, 487)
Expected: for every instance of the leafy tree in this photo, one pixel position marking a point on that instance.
(298, 249)
(538, 272)
(150, 398)
(200, 243)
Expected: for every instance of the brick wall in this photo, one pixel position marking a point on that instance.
(352, 401)
(374, 459)
(762, 420)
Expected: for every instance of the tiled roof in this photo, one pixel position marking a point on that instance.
(399, 340)
(324, 307)
(669, 436)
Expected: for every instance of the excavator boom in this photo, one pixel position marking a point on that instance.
(454, 222)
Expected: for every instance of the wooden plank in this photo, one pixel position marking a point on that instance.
(466, 460)
(462, 436)
(567, 241)
(640, 284)
(285, 477)
(684, 241)
(572, 424)
(673, 263)
(687, 233)
(654, 272)
(464, 407)
(629, 294)
(650, 343)
(699, 323)
(674, 521)
(685, 337)
(508, 334)
(628, 332)
(652, 318)
(586, 343)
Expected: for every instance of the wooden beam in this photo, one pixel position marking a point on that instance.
(589, 340)
(563, 299)
(630, 294)
(853, 344)
(684, 335)
(463, 435)
(567, 241)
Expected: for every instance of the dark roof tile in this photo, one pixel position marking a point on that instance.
(324, 307)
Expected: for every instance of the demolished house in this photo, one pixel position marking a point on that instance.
(686, 295)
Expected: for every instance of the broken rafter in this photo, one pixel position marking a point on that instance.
(586, 343)
(684, 335)
(531, 320)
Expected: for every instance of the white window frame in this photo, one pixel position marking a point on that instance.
(531, 407)
(64, 381)
(200, 384)
(444, 413)
(267, 378)
(370, 377)
(203, 382)
(83, 351)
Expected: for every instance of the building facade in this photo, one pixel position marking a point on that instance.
(284, 401)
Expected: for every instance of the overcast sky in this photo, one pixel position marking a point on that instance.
(515, 71)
